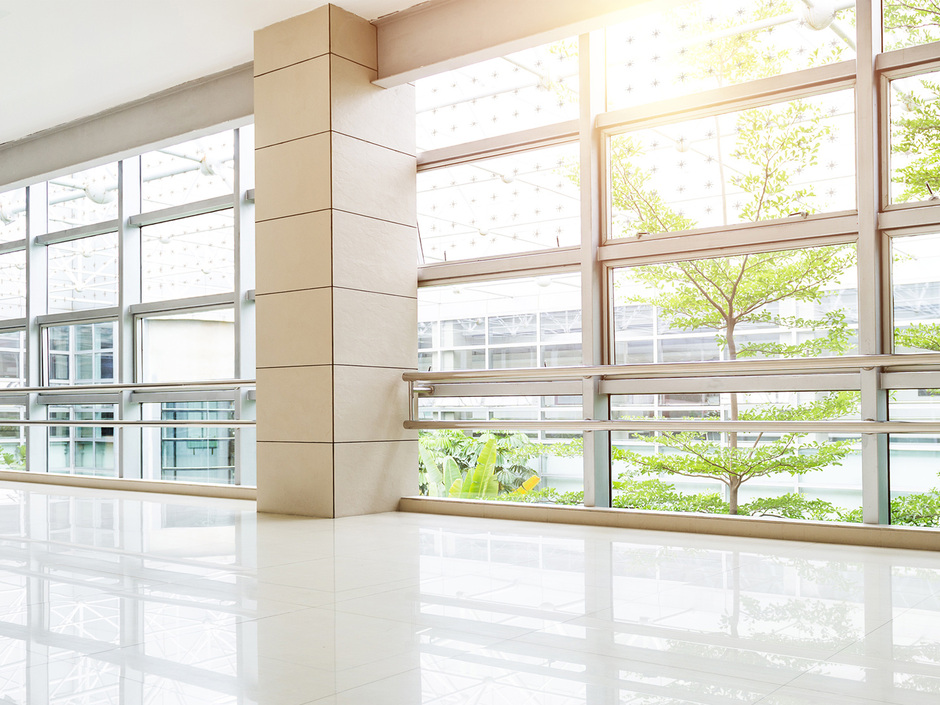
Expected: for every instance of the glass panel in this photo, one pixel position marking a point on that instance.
(520, 91)
(915, 173)
(83, 274)
(13, 285)
(12, 359)
(187, 172)
(910, 22)
(12, 439)
(915, 470)
(780, 160)
(516, 203)
(189, 257)
(188, 346)
(508, 323)
(13, 215)
(916, 293)
(81, 353)
(83, 198)
(82, 450)
(190, 454)
(795, 303)
(541, 466)
(797, 476)
(696, 46)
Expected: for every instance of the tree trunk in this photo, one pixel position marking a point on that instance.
(733, 413)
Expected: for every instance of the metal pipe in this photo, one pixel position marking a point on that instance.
(842, 427)
(149, 386)
(111, 423)
(669, 370)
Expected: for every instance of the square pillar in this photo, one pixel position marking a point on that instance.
(336, 293)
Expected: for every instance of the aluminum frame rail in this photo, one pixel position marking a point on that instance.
(140, 386)
(535, 381)
(671, 370)
(21, 393)
(853, 427)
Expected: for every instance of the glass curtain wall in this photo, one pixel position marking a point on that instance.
(753, 202)
(138, 272)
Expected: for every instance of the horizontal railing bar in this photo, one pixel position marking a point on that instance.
(69, 318)
(12, 246)
(507, 389)
(209, 205)
(149, 386)
(79, 233)
(853, 427)
(546, 136)
(682, 369)
(112, 423)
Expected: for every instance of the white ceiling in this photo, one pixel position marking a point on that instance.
(66, 59)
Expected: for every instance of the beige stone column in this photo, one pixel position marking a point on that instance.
(336, 270)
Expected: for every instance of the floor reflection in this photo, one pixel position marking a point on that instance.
(132, 599)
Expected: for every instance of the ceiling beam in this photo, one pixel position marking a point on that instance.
(446, 34)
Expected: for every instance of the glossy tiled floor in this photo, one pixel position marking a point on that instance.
(142, 600)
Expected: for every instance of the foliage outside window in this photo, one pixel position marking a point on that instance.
(731, 159)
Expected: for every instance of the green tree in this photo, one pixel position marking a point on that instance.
(724, 294)
(910, 22)
(917, 133)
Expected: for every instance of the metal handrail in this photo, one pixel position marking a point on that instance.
(577, 426)
(672, 370)
(115, 423)
(140, 386)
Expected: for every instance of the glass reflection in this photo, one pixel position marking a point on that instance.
(115, 599)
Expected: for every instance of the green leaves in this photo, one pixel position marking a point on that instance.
(778, 142)
(917, 133)
(922, 336)
(480, 482)
(449, 461)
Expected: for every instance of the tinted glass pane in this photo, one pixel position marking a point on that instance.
(690, 47)
(189, 257)
(517, 203)
(13, 285)
(916, 293)
(83, 198)
(776, 474)
(706, 309)
(914, 142)
(83, 274)
(187, 172)
(188, 346)
(783, 160)
(527, 89)
(13, 215)
(507, 323)
(910, 22)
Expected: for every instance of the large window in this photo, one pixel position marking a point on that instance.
(728, 163)
(133, 282)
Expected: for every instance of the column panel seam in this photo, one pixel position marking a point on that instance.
(287, 66)
(292, 139)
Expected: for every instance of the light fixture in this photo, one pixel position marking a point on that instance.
(817, 14)
(98, 194)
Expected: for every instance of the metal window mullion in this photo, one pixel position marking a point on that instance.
(37, 272)
(244, 407)
(128, 447)
(869, 154)
(594, 405)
